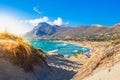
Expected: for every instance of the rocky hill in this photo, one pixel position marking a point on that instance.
(46, 30)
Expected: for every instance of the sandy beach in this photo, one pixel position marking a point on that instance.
(93, 46)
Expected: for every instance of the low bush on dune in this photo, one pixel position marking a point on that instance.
(78, 53)
(20, 53)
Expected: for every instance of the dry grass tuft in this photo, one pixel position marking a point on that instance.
(78, 53)
(79, 57)
(20, 53)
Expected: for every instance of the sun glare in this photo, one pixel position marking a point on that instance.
(11, 24)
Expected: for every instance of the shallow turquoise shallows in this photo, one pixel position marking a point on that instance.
(63, 48)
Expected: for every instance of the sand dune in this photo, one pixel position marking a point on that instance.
(110, 73)
(103, 65)
(20, 61)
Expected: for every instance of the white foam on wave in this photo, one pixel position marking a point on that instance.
(64, 44)
(56, 50)
(75, 51)
(84, 48)
(66, 56)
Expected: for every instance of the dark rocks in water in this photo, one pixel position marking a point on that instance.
(55, 54)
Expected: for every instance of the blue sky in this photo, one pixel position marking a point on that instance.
(74, 12)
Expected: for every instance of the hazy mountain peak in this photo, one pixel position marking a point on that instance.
(44, 24)
(97, 25)
(118, 24)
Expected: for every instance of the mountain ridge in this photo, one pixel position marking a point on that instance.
(46, 30)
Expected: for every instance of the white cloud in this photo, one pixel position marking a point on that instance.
(34, 22)
(37, 10)
(58, 21)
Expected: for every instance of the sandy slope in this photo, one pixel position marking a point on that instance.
(111, 73)
(103, 65)
(12, 72)
(62, 68)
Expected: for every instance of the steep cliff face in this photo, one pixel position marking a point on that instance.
(21, 61)
(103, 65)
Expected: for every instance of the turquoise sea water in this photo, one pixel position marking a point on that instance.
(63, 48)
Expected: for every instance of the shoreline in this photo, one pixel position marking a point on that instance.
(93, 46)
(81, 48)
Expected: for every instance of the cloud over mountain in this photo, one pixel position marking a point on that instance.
(58, 21)
(34, 22)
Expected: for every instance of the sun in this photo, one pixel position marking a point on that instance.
(11, 24)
